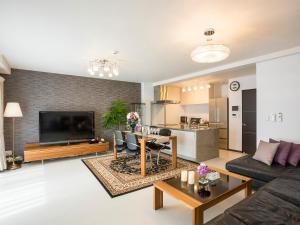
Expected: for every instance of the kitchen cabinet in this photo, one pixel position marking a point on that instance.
(196, 145)
(200, 96)
(218, 117)
(186, 143)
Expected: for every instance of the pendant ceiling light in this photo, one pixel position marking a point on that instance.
(210, 53)
(102, 67)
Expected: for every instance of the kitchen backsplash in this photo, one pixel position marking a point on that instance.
(174, 111)
(200, 110)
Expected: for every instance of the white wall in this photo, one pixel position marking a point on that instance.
(278, 90)
(235, 99)
(147, 96)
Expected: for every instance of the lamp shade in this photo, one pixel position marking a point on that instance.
(210, 53)
(13, 109)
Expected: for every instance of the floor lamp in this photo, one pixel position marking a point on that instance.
(13, 110)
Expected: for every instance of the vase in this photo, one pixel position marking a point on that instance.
(203, 181)
(133, 125)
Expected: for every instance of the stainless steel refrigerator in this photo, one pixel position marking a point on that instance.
(218, 117)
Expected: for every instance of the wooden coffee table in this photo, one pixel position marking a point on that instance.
(228, 185)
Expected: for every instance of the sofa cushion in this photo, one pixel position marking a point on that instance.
(266, 152)
(277, 203)
(285, 189)
(283, 151)
(265, 208)
(291, 172)
(294, 156)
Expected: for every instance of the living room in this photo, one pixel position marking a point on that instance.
(113, 114)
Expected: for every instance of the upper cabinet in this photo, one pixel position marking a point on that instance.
(199, 96)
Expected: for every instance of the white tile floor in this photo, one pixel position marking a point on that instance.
(64, 192)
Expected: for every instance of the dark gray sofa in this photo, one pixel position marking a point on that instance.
(277, 202)
(258, 171)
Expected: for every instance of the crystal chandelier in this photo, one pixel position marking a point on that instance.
(103, 67)
(210, 53)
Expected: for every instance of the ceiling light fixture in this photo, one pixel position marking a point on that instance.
(195, 88)
(104, 67)
(210, 53)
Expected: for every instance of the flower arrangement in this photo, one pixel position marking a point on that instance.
(202, 170)
(132, 119)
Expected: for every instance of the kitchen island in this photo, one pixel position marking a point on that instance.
(194, 144)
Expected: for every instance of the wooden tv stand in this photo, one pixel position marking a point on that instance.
(36, 152)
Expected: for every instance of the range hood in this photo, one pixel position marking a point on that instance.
(164, 94)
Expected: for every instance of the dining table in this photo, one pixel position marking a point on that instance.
(144, 139)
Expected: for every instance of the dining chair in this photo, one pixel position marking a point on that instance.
(133, 147)
(157, 146)
(120, 141)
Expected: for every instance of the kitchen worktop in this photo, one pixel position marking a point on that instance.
(197, 145)
(183, 127)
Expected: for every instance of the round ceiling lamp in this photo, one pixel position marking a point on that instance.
(210, 53)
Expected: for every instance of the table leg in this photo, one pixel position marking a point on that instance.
(248, 190)
(115, 148)
(197, 216)
(143, 157)
(157, 199)
(174, 151)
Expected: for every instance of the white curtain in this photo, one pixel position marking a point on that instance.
(2, 145)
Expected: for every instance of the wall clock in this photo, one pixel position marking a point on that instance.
(234, 85)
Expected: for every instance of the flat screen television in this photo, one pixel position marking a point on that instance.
(66, 126)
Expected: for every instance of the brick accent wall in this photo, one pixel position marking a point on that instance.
(39, 91)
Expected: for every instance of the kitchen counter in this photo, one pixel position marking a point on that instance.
(184, 128)
(198, 145)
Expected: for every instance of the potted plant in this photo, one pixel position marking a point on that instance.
(116, 116)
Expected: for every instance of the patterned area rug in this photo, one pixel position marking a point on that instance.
(131, 164)
(122, 176)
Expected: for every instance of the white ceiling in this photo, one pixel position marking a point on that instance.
(154, 37)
